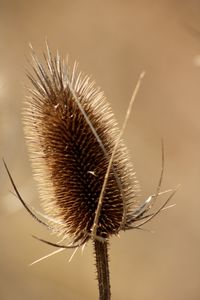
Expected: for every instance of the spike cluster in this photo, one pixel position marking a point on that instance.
(71, 132)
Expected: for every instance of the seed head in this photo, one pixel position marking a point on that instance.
(71, 132)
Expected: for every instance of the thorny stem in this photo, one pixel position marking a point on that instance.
(103, 276)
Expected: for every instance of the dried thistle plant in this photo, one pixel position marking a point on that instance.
(86, 182)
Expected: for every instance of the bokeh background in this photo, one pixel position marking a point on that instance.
(114, 41)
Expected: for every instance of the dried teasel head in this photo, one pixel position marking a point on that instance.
(71, 132)
(73, 141)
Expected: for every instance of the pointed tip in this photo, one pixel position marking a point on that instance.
(142, 74)
(33, 263)
(47, 46)
(30, 46)
(46, 41)
(44, 257)
(71, 257)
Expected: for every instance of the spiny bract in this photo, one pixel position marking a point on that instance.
(71, 132)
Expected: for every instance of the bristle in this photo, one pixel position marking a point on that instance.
(71, 132)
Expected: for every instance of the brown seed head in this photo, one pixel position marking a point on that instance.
(71, 132)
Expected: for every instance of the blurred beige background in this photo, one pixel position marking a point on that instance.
(114, 41)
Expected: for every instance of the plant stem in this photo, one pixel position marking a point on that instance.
(101, 253)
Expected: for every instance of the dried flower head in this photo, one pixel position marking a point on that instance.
(86, 181)
(71, 132)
